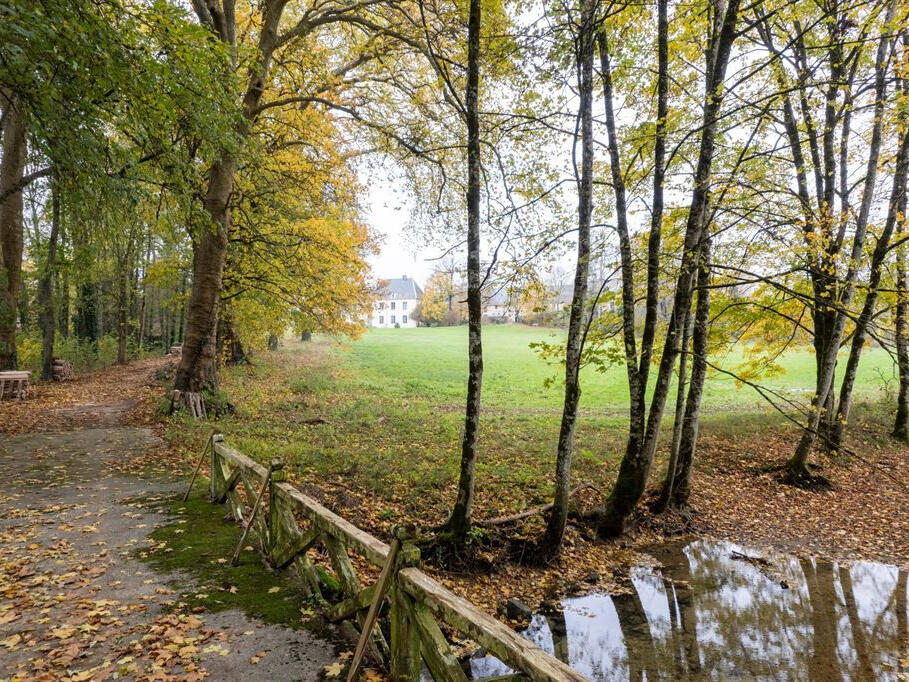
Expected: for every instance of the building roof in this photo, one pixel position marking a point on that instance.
(399, 288)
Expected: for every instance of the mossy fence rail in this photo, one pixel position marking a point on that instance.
(290, 523)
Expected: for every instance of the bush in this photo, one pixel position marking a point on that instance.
(82, 355)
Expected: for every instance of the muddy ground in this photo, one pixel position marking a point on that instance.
(86, 588)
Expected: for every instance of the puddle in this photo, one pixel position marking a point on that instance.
(710, 613)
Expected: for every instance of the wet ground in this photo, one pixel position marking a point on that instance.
(77, 600)
(717, 611)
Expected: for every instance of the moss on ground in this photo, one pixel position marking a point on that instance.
(198, 541)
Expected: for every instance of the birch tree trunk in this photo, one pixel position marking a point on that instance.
(551, 543)
(681, 484)
(638, 458)
(459, 522)
(901, 421)
(666, 493)
(860, 335)
(828, 342)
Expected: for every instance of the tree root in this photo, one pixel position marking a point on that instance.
(520, 516)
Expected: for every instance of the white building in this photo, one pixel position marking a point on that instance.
(396, 299)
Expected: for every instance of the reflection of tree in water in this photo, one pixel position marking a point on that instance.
(708, 615)
(823, 664)
(902, 628)
(637, 636)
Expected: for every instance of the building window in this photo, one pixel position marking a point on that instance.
(392, 305)
(380, 305)
(381, 319)
(404, 306)
(404, 319)
(392, 319)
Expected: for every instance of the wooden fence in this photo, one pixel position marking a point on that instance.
(418, 604)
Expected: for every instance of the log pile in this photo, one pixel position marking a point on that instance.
(63, 370)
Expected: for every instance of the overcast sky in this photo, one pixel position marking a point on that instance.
(388, 213)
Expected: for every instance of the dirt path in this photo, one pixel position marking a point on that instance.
(83, 506)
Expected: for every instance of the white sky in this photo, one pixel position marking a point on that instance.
(388, 213)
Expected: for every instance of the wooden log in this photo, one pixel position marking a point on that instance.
(340, 561)
(442, 663)
(405, 641)
(512, 677)
(350, 584)
(494, 636)
(229, 480)
(259, 521)
(303, 565)
(351, 605)
(332, 525)
(283, 554)
(276, 464)
(381, 587)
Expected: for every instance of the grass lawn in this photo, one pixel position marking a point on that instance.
(392, 405)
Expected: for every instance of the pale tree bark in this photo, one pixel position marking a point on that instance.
(47, 316)
(680, 487)
(672, 466)
(860, 334)
(833, 311)
(459, 521)
(551, 543)
(635, 466)
(901, 421)
(12, 167)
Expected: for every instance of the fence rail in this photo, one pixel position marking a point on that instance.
(417, 603)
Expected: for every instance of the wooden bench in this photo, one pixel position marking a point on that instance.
(14, 384)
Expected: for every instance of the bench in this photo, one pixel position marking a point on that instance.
(14, 384)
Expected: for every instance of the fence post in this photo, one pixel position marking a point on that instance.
(275, 530)
(405, 642)
(215, 468)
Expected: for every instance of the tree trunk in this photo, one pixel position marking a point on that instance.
(551, 543)
(12, 166)
(231, 348)
(122, 309)
(63, 290)
(901, 422)
(672, 466)
(797, 467)
(86, 328)
(638, 458)
(197, 370)
(819, 579)
(459, 522)
(881, 249)
(681, 485)
(46, 290)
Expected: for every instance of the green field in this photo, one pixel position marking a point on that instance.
(392, 405)
(432, 362)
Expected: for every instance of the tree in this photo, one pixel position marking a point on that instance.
(642, 440)
(12, 169)
(585, 33)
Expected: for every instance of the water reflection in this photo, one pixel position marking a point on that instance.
(710, 613)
